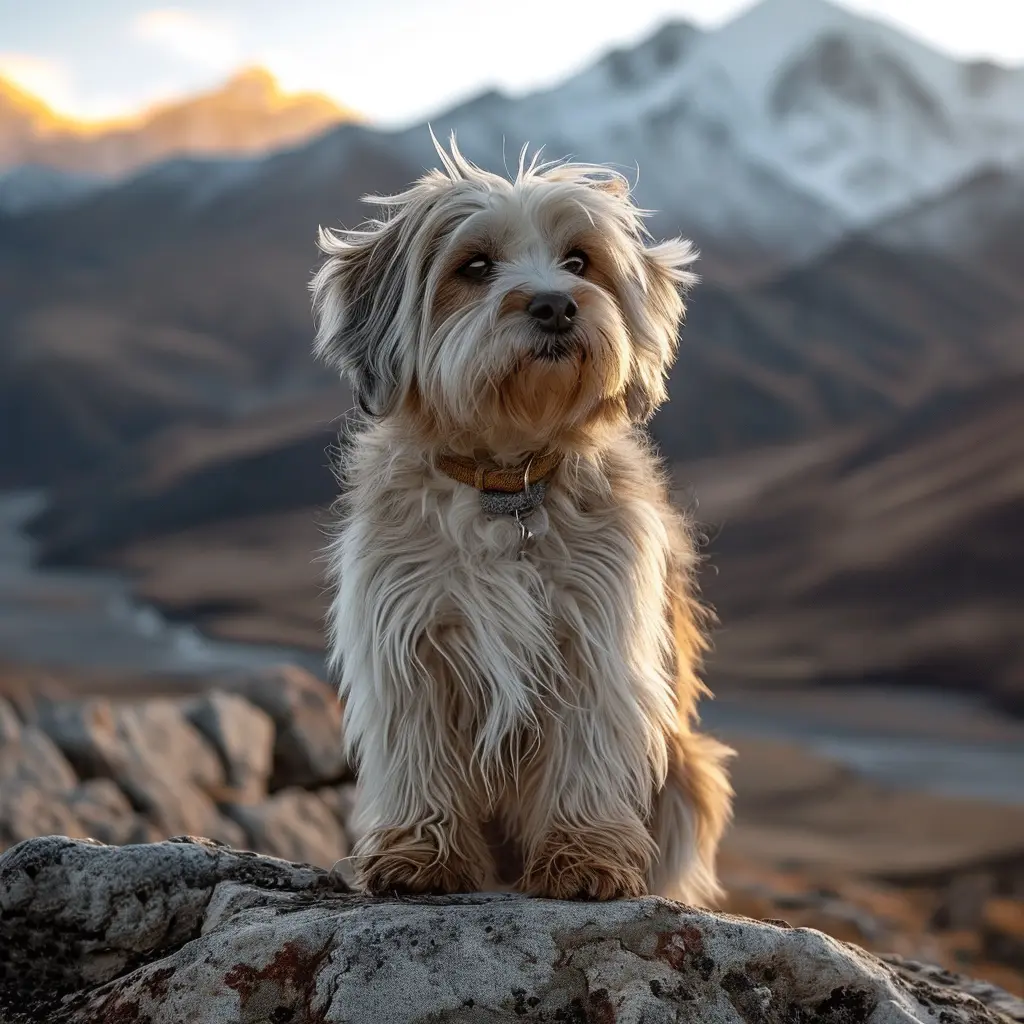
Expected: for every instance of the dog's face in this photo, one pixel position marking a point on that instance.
(508, 314)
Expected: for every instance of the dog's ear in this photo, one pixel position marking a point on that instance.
(364, 302)
(654, 309)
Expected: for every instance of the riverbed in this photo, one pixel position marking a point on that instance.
(90, 620)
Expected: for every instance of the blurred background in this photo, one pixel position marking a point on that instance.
(846, 415)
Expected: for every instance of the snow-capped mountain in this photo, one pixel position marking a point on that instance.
(788, 126)
(767, 140)
(853, 111)
(689, 163)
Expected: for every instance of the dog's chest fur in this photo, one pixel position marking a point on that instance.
(433, 592)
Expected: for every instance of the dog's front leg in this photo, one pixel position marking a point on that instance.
(418, 801)
(582, 808)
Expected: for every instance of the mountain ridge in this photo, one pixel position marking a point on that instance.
(778, 133)
(247, 113)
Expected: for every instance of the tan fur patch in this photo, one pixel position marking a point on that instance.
(598, 861)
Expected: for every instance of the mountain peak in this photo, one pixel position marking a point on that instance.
(246, 115)
(667, 47)
(255, 84)
(254, 76)
(18, 103)
(256, 88)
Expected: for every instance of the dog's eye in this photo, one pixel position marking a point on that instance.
(576, 262)
(477, 268)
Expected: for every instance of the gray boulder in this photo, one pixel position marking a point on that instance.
(27, 810)
(307, 721)
(35, 781)
(191, 931)
(161, 762)
(31, 756)
(104, 811)
(243, 736)
(293, 824)
(342, 802)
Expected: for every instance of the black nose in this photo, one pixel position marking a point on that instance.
(553, 311)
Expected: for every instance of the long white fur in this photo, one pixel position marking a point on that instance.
(540, 690)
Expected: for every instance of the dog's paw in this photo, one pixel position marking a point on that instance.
(407, 861)
(588, 865)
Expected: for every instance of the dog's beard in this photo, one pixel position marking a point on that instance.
(502, 383)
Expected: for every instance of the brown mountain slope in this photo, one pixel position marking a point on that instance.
(249, 114)
(892, 553)
(227, 252)
(275, 459)
(895, 555)
(977, 223)
(859, 334)
(76, 381)
(231, 269)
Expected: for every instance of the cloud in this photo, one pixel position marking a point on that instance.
(49, 80)
(192, 37)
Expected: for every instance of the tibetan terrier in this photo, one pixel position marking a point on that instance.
(515, 624)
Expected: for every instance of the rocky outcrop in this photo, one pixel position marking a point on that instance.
(255, 762)
(188, 930)
(307, 720)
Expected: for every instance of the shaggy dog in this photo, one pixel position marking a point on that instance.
(515, 626)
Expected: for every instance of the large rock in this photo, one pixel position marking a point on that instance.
(35, 782)
(105, 812)
(307, 719)
(342, 802)
(192, 932)
(101, 737)
(10, 724)
(243, 736)
(162, 763)
(27, 810)
(296, 825)
(33, 757)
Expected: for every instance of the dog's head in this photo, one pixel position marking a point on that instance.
(516, 313)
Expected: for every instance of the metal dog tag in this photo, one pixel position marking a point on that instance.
(521, 503)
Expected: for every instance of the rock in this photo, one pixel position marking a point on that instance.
(182, 809)
(342, 802)
(86, 731)
(190, 931)
(26, 811)
(101, 738)
(242, 735)
(956, 986)
(1002, 931)
(34, 758)
(105, 812)
(35, 779)
(307, 717)
(160, 761)
(100, 911)
(295, 825)
(963, 900)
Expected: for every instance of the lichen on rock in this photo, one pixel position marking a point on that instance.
(189, 930)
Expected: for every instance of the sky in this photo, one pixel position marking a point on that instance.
(395, 61)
